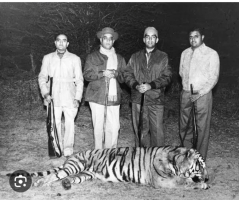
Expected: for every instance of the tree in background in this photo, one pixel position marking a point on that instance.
(28, 29)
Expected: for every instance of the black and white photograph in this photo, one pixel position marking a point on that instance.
(119, 100)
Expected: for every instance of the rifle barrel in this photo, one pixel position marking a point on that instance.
(140, 119)
(195, 133)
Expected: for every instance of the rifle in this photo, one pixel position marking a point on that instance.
(195, 132)
(140, 125)
(105, 110)
(54, 149)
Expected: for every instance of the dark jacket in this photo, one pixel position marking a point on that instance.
(96, 89)
(157, 73)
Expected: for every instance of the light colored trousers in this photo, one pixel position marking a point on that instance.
(112, 125)
(67, 142)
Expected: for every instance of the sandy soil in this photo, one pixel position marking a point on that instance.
(23, 145)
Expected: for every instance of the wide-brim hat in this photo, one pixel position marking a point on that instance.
(108, 30)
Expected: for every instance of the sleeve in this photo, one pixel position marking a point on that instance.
(91, 72)
(129, 76)
(180, 65)
(43, 77)
(119, 73)
(213, 74)
(79, 81)
(165, 76)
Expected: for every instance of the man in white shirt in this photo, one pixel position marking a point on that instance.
(199, 66)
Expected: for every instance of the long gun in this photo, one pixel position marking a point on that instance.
(51, 129)
(105, 109)
(140, 126)
(195, 132)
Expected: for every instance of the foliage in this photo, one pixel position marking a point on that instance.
(28, 30)
(81, 21)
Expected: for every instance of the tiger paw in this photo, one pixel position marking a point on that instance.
(205, 186)
(42, 182)
(66, 183)
(38, 183)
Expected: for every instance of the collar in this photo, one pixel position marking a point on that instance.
(107, 51)
(65, 54)
(201, 48)
(60, 52)
(145, 51)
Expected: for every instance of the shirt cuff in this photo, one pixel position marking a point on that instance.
(100, 75)
(116, 73)
(134, 85)
(78, 96)
(153, 85)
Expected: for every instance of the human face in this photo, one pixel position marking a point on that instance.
(61, 43)
(150, 40)
(107, 41)
(195, 39)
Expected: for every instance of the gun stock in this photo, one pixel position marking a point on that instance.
(51, 129)
(51, 150)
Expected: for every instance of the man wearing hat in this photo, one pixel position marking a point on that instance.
(148, 73)
(104, 71)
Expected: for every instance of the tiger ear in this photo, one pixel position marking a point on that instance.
(189, 153)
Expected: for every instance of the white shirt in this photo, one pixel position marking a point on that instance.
(199, 68)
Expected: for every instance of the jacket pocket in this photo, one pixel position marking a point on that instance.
(95, 85)
(155, 97)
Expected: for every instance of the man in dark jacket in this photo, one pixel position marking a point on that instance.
(148, 73)
(104, 71)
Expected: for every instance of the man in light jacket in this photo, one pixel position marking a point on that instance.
(66, 70)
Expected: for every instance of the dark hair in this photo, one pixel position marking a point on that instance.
(60, 34)
(200, 30)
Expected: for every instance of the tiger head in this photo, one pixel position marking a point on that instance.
(190, 164)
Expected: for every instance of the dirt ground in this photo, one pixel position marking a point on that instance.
(23, 145)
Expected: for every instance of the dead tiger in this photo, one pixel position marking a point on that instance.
(166, 167)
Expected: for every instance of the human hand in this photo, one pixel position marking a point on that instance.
(139, 88)
(109, 73)
(48, 98)
(143, 87)
(146, 87)
(195, 97)
(76, 103)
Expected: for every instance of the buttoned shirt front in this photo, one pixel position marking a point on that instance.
(199, 67)
(67, 78)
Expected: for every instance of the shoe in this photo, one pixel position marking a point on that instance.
(68, 152)
(56, 162)
(53, 157)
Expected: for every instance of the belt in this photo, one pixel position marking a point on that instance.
(194, 92)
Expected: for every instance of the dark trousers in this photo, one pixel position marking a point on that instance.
(152, 122)
(203, 117)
